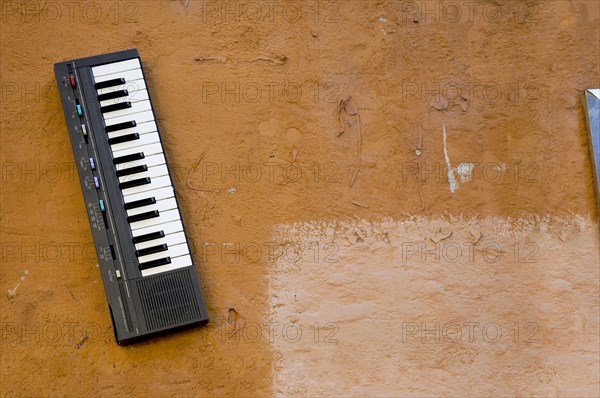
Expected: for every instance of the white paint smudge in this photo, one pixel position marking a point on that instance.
(232, 190)
(451, 177)
(383, 20)
(465, 171)
(13, 292)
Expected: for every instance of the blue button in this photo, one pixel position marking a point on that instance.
(102, 208)
(79, 110)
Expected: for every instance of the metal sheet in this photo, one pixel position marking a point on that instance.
(592, 106)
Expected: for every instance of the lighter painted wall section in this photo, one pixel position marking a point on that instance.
(426, 307)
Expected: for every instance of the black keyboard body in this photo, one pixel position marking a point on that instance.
(149, 275)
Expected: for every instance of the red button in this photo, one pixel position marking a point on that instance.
(72, 78)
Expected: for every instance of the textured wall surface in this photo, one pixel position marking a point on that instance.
(315, 147)
(421, 307)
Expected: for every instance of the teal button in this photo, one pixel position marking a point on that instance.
(79, 110)
(102, 208)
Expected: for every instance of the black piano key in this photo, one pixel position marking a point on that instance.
(115, 107)
(123, 138)
(129, 158)
(113, 94)
(155, 263)
(132, 170)
(143, 216)
(134, 183)
(109, 83)
(140, 203)
(147, 237)
(151, 250)
(120, 126)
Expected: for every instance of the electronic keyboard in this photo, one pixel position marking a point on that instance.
(147, 267)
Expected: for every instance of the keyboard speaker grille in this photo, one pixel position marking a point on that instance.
(168, 300)
(125, 307)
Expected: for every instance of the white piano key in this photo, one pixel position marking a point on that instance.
(116, 67)
(152, 173)
(136, 107)
(167, 228)
(149, 161)
(158, 194)
(141, 117)
(165, 217)
(132, 96)
(160, 205)
(130, 75)
(169, 240)
(147, 150)
(131, 86)
(158, 182)
(142, 128)
(176, 263)
(173, 251)
(143, 140)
